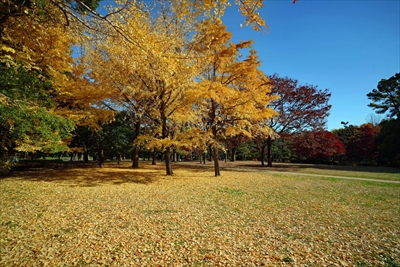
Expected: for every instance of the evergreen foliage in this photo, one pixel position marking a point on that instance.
(386, 97)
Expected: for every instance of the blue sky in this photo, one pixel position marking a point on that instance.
(345, 46)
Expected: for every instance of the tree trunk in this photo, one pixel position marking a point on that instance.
(269, 153)
(101, 158)
(86, 157)
(216, 162)
(174, 156)
(135, 152)
(135, 157)
(119, 159)
(168, 164)
(262, 156)
(201, 156)
(233, 156)
(154, 157)
(165, 134)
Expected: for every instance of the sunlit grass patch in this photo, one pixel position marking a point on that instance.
(231, 191)
(375, 173)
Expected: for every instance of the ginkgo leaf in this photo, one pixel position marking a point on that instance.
(7, 48)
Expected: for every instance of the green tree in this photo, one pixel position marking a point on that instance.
(84, 138)
(35, 59)
(350, 137)
(386, 100)
(40, 9)
(281, 150)
(26, 118)
(386, 97)
(388, 142)
(246, 151)
(113, 139)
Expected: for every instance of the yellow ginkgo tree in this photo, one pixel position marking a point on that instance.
(43, 93)
(233, 93)
(153, 76)
(176, 70)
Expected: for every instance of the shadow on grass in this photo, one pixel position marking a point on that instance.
(87, 175)
(194, 166)
(91, 175)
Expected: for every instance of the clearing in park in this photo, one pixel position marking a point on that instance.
(119, 216)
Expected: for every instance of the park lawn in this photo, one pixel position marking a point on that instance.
(378, 173)
(368, 172)
(119, 216)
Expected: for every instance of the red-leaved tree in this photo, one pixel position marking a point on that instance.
(318, 145)
(300, 108)
(359, 142)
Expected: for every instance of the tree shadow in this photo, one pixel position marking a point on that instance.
(194, 166)
(90, 176)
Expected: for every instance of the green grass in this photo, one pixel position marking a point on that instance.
(331, 171)
(231, 191)
(355, 174)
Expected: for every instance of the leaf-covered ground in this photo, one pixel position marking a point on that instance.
(119, 216)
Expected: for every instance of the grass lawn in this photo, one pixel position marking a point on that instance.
(368, 172)
(119, 216)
